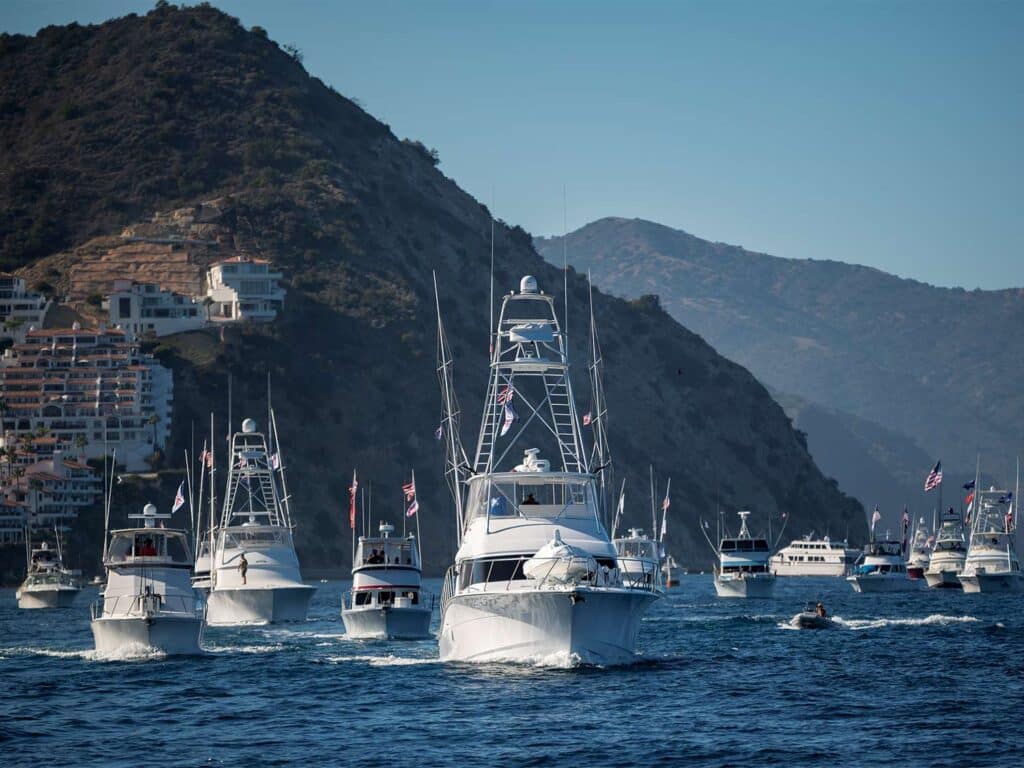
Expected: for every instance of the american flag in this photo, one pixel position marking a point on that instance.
(413, 508)
(352, 501)
(439, 432)
(875, 517)
(934, 479)
(586, 419)
(505, 395)
(510, 416)
(665, 503)
(410, 490)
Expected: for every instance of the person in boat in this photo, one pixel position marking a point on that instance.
(820, 611)
(243, 567)
(529, 499)
(147, 549)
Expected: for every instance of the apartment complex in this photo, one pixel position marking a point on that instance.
(90, 390)
(48, 493)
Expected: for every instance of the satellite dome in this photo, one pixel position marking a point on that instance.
(528, 284)
(249, 426)
(149, 509)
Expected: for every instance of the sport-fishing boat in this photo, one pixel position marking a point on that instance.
(814, 557)
(386, 601)
(48, 584)
(992, 564)
(255, 577)
(670, 572)
(920, 551)
(948, 554)
(148, 601)
(881, 568)
(638, 558)
(743, 564)
(536, 574)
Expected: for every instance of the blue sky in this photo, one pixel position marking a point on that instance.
(879, 133)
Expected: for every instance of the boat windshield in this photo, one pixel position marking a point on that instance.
(386, 552)
(638, 548)
(255, 537)
(744, 545)
(154, 544)
(531, 496)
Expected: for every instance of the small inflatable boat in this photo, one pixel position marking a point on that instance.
(811, 620)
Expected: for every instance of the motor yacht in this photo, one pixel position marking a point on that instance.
(881, 568)
(638, 558)
(814, 557)
(254, 571)
(743, 564)
(387, 601)
(148, 601)
(920, 551)
(48, 584)
(948, 553)
(536, 575)
(992, 564)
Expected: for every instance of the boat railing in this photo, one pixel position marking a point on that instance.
(638, 572)
(450, 584)
(146, 604)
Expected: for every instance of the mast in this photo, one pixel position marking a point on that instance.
(285, 497)
(197, 530)
(213, 506)
(602, 452)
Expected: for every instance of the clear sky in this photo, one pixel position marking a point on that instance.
(880, 133)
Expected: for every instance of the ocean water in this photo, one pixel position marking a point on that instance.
(923, 678)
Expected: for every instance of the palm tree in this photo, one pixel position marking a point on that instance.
(207, 302)
(153, 419)
(36, 485)
(80, 443)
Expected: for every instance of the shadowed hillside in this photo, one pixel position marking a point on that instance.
(105, 126)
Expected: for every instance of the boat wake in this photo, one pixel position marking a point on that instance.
(232, 649)
(129, 652)
(936, 619)
(383, 661)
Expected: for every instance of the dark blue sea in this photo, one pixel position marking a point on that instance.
(925, 678)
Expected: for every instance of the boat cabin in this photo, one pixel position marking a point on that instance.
(144, 546)
(549, 495)
(383, 550)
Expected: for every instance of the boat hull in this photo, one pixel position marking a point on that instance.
(882, 584)
(942, 579)
(915, 572)
(1008, 581)
(34, 599)
(568, 625)
(172, 635)
(412, 623)
(808, 620)
(260, 605)
(745, 588)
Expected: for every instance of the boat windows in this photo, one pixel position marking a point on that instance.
(744, 545)
(386, 552)
(364, 598)
(150, 543)
(253, 538)
(485, 571)
(531, 497)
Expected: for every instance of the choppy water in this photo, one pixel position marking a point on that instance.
(926, 678)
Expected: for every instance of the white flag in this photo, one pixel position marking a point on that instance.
(510, 416)
(875, 518)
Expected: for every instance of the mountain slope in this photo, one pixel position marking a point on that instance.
(941, 366)
(181, 106)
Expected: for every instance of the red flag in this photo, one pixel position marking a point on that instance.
(586, 419)
(352, 501)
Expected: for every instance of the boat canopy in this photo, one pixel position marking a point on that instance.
(532, 495)
(145, 546)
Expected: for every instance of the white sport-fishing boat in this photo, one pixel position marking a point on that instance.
(992, 564)
(386, 601)
(255, 577)
(638, 558)
(148, 601)
(948, 553)
(814, 557)
(920, 551)
(881, 568)
(535, 574)
(48, 584)
(743, 564)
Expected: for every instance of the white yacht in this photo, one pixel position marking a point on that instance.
(920, 551)
(386, 601)
(638, 558)
(148, 601)
(48, 584)
(743, 564)
(535, 574)
(992, 564)
(881, 568)
(948, 554)
(255, 577)
(814, 557)
(671, 571)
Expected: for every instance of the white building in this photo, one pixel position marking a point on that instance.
(52, 492)
(144, 309)
(244, 289)
(20, 309)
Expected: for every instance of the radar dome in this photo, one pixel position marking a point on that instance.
(149, 509)
(249, 425)
(528, 284)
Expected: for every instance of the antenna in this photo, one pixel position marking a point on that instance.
(565, 261)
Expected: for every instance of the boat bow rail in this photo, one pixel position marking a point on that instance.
(147, 605)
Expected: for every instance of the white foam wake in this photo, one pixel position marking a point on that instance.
(382, 661)
(933, 620)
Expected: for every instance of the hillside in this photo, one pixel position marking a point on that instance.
(106, 127)
(940, 367)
